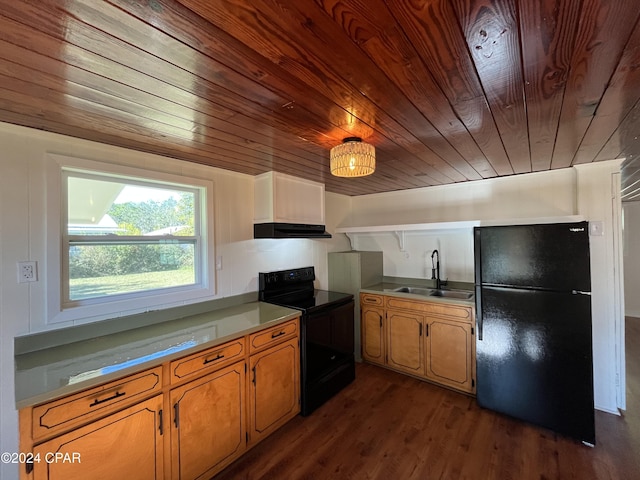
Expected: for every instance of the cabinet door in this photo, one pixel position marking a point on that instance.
(208, 428)
(449, 349)
(274, 388)
(405, 348)
(372, 335)
(125, 444)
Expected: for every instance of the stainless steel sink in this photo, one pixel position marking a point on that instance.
(458, 294)
(416, 290)
(430, 292)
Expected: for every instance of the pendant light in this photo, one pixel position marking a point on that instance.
(353, 158)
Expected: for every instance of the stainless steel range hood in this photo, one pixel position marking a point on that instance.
(289, 230)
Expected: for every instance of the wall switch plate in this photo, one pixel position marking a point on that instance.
(27, 272)
(596, 228)
(219, 262)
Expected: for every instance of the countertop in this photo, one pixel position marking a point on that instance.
(386, 288)
(49, 373)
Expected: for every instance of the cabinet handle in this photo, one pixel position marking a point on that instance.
(254, 375)
(426, 330)
(380, 320)
(420, 330)
(112, 397)
(161, 426)
(276, 335)
(176, 415)
(209, 360)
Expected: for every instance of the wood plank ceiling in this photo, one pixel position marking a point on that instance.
(447, 90)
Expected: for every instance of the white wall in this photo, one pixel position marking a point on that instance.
(23, 188)
(534, 195)
(631, 229)
(585, 190)
(524, 196)
(597, 186)
(455, 250)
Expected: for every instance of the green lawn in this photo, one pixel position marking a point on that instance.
(98, 286)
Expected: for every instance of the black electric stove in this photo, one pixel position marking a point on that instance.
(326, 332)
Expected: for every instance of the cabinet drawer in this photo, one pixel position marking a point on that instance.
(208, 360)
(457, 312)
(69, 412)
(369, 299)
(273, 335)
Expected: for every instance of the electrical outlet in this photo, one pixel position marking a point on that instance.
(27, 272)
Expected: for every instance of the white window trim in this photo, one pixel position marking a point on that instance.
(128, 303)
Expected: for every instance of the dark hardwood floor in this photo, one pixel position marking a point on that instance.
(390, 426)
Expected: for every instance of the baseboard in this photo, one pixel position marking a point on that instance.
(633, 313)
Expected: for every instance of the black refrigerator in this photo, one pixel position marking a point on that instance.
(533, 311)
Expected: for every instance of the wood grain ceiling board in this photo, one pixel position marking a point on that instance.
(433, 30)
(546, 59)
(604, 30)
(620, 97)
(447, 90)
(491, 32)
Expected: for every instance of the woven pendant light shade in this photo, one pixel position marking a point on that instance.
(353, 158)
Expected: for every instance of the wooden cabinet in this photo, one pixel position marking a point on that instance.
(405, 348)
(430, 340)
(207, 361)
(125, 444)
(274, 388)
(450, 351)
(69, 412)
(185, 419)
(272, 336)
(284, 198)
(208, 428)
(372, 326)
(371, 300)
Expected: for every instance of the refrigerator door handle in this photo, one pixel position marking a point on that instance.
(579, 292)
(477, 259)
(479, 311)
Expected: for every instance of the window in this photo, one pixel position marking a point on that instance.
(130, 239)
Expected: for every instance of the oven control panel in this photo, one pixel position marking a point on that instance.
(288, 278)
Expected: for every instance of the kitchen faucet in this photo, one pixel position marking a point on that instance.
(435, 270)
